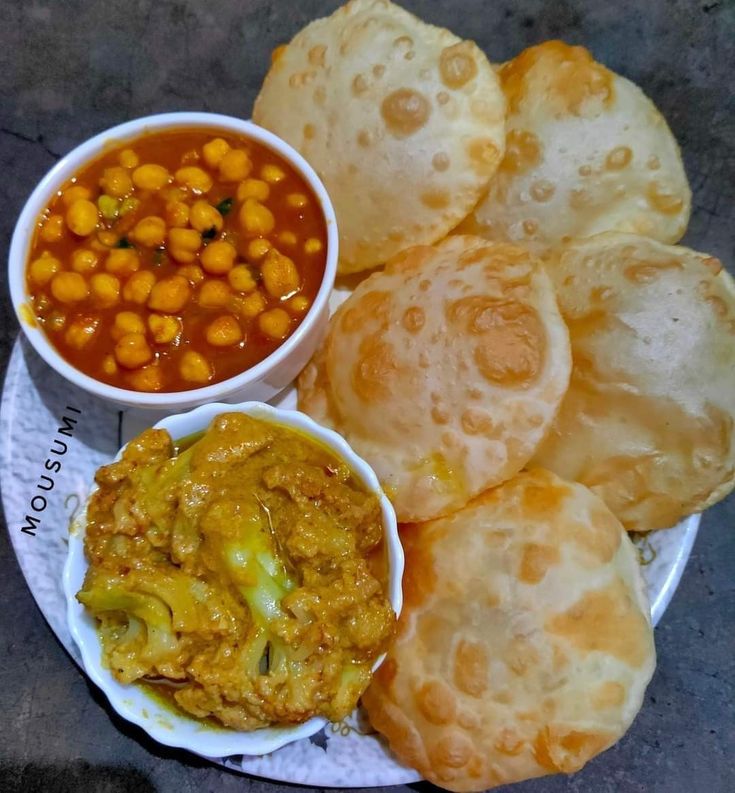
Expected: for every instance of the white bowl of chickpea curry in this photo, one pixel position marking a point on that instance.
(234, 579)
(176, 260)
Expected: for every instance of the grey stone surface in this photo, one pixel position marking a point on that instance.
(71, 68)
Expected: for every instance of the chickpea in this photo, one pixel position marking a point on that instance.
(122, 261)
(164, 328)
(241, 279)
(116, 182)
(193, 273)
(150, 231)
(272, 174)
(298, 304)
(81, 332)
(138, 286)
(53, 229)
(287, 238)
(205, 217)
(43, 269)
(214, 294)
(274, 323)
(127, 322)
(183, 244)
(55, 321)
(105, 239)
(151, 177)
(195, 179)
(170, 295)
(280, 276)
(109, 207)
(214, 150)
(149, 378)
(195, 368)
(177, 214)
(253, 188)
(173, 193)
(109, 365)
(105, 289)
(218, 257)
(128, 158)
(82, 217)
(235, 166)
(75, 193)
(258, 248)
(128, 204)
(256, 218)
(223, 331)
(252, 305)
(69, 287)
(297, 200)
(312, 245)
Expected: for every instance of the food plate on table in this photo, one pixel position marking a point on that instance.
(467, 279)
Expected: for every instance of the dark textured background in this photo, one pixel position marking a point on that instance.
(70, 69)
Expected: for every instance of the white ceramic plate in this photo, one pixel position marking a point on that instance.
(54, 437)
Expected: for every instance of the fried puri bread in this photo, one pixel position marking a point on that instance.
(524, 647)
(648, 420)
(378, 101)
(444, 371)
(586, 152)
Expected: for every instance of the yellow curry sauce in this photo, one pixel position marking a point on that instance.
(176, 260)
(247, 568)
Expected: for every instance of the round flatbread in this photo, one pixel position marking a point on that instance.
(586, 152)
(648, 420)
(524, 647)
(403, 121)
(444, 371)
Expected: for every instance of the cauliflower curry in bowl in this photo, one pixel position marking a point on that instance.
(242, 572)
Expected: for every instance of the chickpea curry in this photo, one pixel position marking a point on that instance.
(247, 568)
(176, 260)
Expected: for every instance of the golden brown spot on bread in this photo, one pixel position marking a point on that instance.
(619, 158)
(378, 70)
(405, 111)
(440, 415)
(536, 561)
(309, 131)
(456, 65)
(663, 200)
(542, 190)
(476, 422)
(712, 264)
(436, 701)
(571, 76)
(364, 138)
(316, 55)
(608, 621)
(530, 227)
(277, 52)
(483, 153)
(359, 85)
(375, 370)
(647, 272)
(560, 750)
(542, 495)
(509, 742)
(717, 304)
(413, 319)
(440, 161)
(512, 343)
(470, 668)
(370, 306)
(585, 170)
(419, 578)
(453, 750)
(522, 151)
(442, 97)
(435, 199)
(608, 695)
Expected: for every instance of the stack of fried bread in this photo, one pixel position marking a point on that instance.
(533, 368)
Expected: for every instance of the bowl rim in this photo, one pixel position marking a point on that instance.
(83, 154)
(186, 733)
